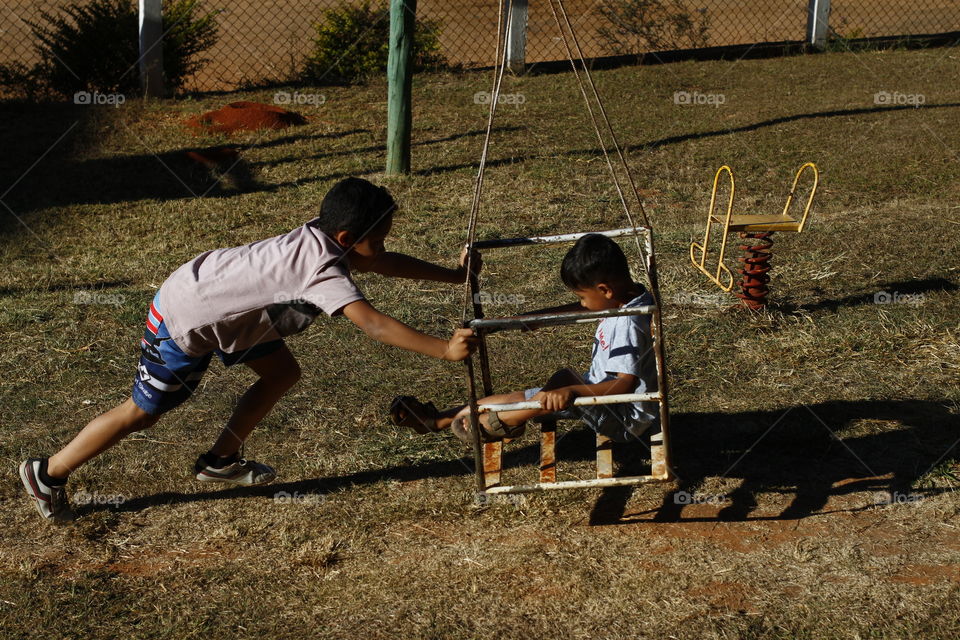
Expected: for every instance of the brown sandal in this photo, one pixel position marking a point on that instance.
(407, 411)
(493, 431)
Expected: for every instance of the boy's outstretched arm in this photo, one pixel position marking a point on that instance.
(387, 330)
(400, 265)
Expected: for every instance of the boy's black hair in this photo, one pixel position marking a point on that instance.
(355, 205)
(594, 259)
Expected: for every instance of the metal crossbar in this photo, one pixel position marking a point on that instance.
(557, 239)
(585, 401)
(489, 325)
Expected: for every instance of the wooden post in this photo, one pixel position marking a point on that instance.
(400, 80)
(517, 36)
(818, 23)
(151, 48)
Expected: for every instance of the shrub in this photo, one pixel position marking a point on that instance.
(94, 47)
(352, 43)
(646, 25)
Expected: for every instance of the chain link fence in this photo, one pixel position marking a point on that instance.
(264, 42)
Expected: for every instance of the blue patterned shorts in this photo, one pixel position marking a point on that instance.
(166, 376)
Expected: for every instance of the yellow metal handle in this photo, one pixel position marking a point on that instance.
(813, 191)
(701, 264)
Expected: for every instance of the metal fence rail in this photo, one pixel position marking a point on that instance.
(264, 42)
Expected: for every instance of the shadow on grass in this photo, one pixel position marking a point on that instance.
(68, 286)
(795, 451)
(382, 148)
(662, 142)
(801, 452)
(887, 293)
(50, 167)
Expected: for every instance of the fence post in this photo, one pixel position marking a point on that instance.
(517, 36)
(151, 48)
(818, 23)
(399, 84)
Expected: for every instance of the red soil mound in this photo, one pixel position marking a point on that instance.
(246, 116)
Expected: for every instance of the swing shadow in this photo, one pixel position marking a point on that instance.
(798, 452)
(792, 451)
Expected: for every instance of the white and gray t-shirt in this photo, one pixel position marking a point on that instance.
(233, 299)
(622, 344)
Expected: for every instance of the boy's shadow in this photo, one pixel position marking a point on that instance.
(793, 451)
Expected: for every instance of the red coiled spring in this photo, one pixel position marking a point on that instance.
(756, 264)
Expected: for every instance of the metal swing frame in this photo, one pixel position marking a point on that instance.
(489, 456)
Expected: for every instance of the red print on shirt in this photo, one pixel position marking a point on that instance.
(602, 339)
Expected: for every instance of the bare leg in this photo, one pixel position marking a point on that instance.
(100, 434)
(278, 372)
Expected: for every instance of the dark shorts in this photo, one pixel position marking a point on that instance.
(166, 376)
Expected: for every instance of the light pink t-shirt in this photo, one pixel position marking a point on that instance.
(233, 299)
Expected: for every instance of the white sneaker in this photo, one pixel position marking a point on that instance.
(51, 501)
(242, 472)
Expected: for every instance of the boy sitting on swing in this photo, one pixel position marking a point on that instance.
(596, 271)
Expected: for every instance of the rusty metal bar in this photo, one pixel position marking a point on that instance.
(475, 425)
(548, 455)
(471, 284)
(595, 483)
(489, 325)
(659, 456)
(604, 456)
(492, 464)
(661, 468)
(583, 401)
(558, 239)
(482, 349)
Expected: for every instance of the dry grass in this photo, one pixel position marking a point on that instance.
(795, 421)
